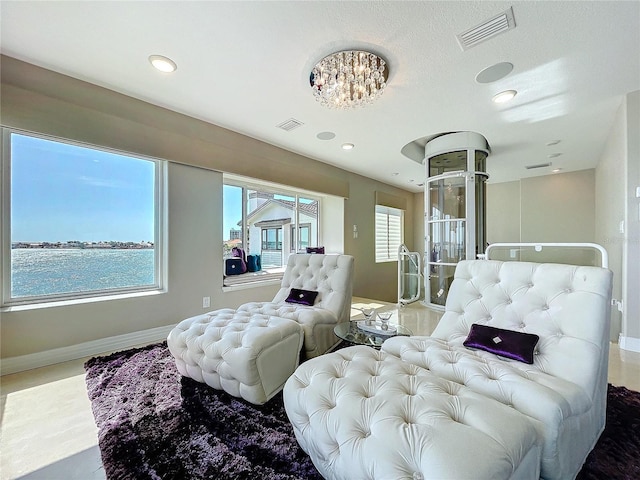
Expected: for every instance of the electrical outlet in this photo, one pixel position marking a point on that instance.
(206, 302)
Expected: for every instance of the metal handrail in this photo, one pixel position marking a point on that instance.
(604, 256)
(403, 251)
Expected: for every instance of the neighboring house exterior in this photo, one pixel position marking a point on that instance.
(271, 223)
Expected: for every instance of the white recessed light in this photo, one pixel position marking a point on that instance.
(505, 96)
(162, 63)
(347, 146)
(556, 170)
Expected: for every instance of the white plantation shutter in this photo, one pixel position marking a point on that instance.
(389, 233)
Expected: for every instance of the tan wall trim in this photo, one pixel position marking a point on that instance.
(40, 100)
(389, 200)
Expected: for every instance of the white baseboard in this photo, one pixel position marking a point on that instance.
(629, 343)
(73, 352)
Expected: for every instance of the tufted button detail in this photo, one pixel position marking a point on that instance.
(523, 325)
(545, 307)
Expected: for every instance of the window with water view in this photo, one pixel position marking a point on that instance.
(82, 220)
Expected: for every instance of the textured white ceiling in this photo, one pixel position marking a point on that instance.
(245, 66)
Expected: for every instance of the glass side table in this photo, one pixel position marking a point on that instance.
(350, 332)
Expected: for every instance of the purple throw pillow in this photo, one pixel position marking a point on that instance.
(506, 343)
(315, 250)
(301, 297)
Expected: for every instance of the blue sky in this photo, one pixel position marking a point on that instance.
(232, 209)
(63, 192)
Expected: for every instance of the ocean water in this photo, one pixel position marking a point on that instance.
(59, 271)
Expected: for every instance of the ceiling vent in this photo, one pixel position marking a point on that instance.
(539, 165)
(486, 30)
(290, 124)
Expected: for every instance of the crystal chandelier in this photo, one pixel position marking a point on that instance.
(348, 79)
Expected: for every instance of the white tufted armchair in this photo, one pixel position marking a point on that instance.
(332, 277)
(429, 407)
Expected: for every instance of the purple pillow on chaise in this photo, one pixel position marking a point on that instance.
(506, 343)
(301, 297)
(315, 250)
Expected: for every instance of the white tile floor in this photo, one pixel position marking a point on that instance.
(47, 430)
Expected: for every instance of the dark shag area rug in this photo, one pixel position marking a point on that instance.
(155, 424)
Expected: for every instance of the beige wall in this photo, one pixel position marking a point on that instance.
(503, 212)
(610, 173)
(617, 177)
(583, 206)
(42, 101)
(631, 326)
(378, 280)
(558, 208)
(549, 208)
(545, 209)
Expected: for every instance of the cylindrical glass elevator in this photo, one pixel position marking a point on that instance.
(455, 207)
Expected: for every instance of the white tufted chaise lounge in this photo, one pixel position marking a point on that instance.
(429, 407)
(250, 352)
(329, 275)
(248, 355)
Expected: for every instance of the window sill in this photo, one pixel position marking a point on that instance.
(78, 301)
(251, 280)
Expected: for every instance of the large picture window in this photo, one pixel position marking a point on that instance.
(389, 233)
(263, 221)
(78, 221)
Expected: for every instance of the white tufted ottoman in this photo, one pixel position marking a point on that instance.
(248, 355)
(364, 414)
